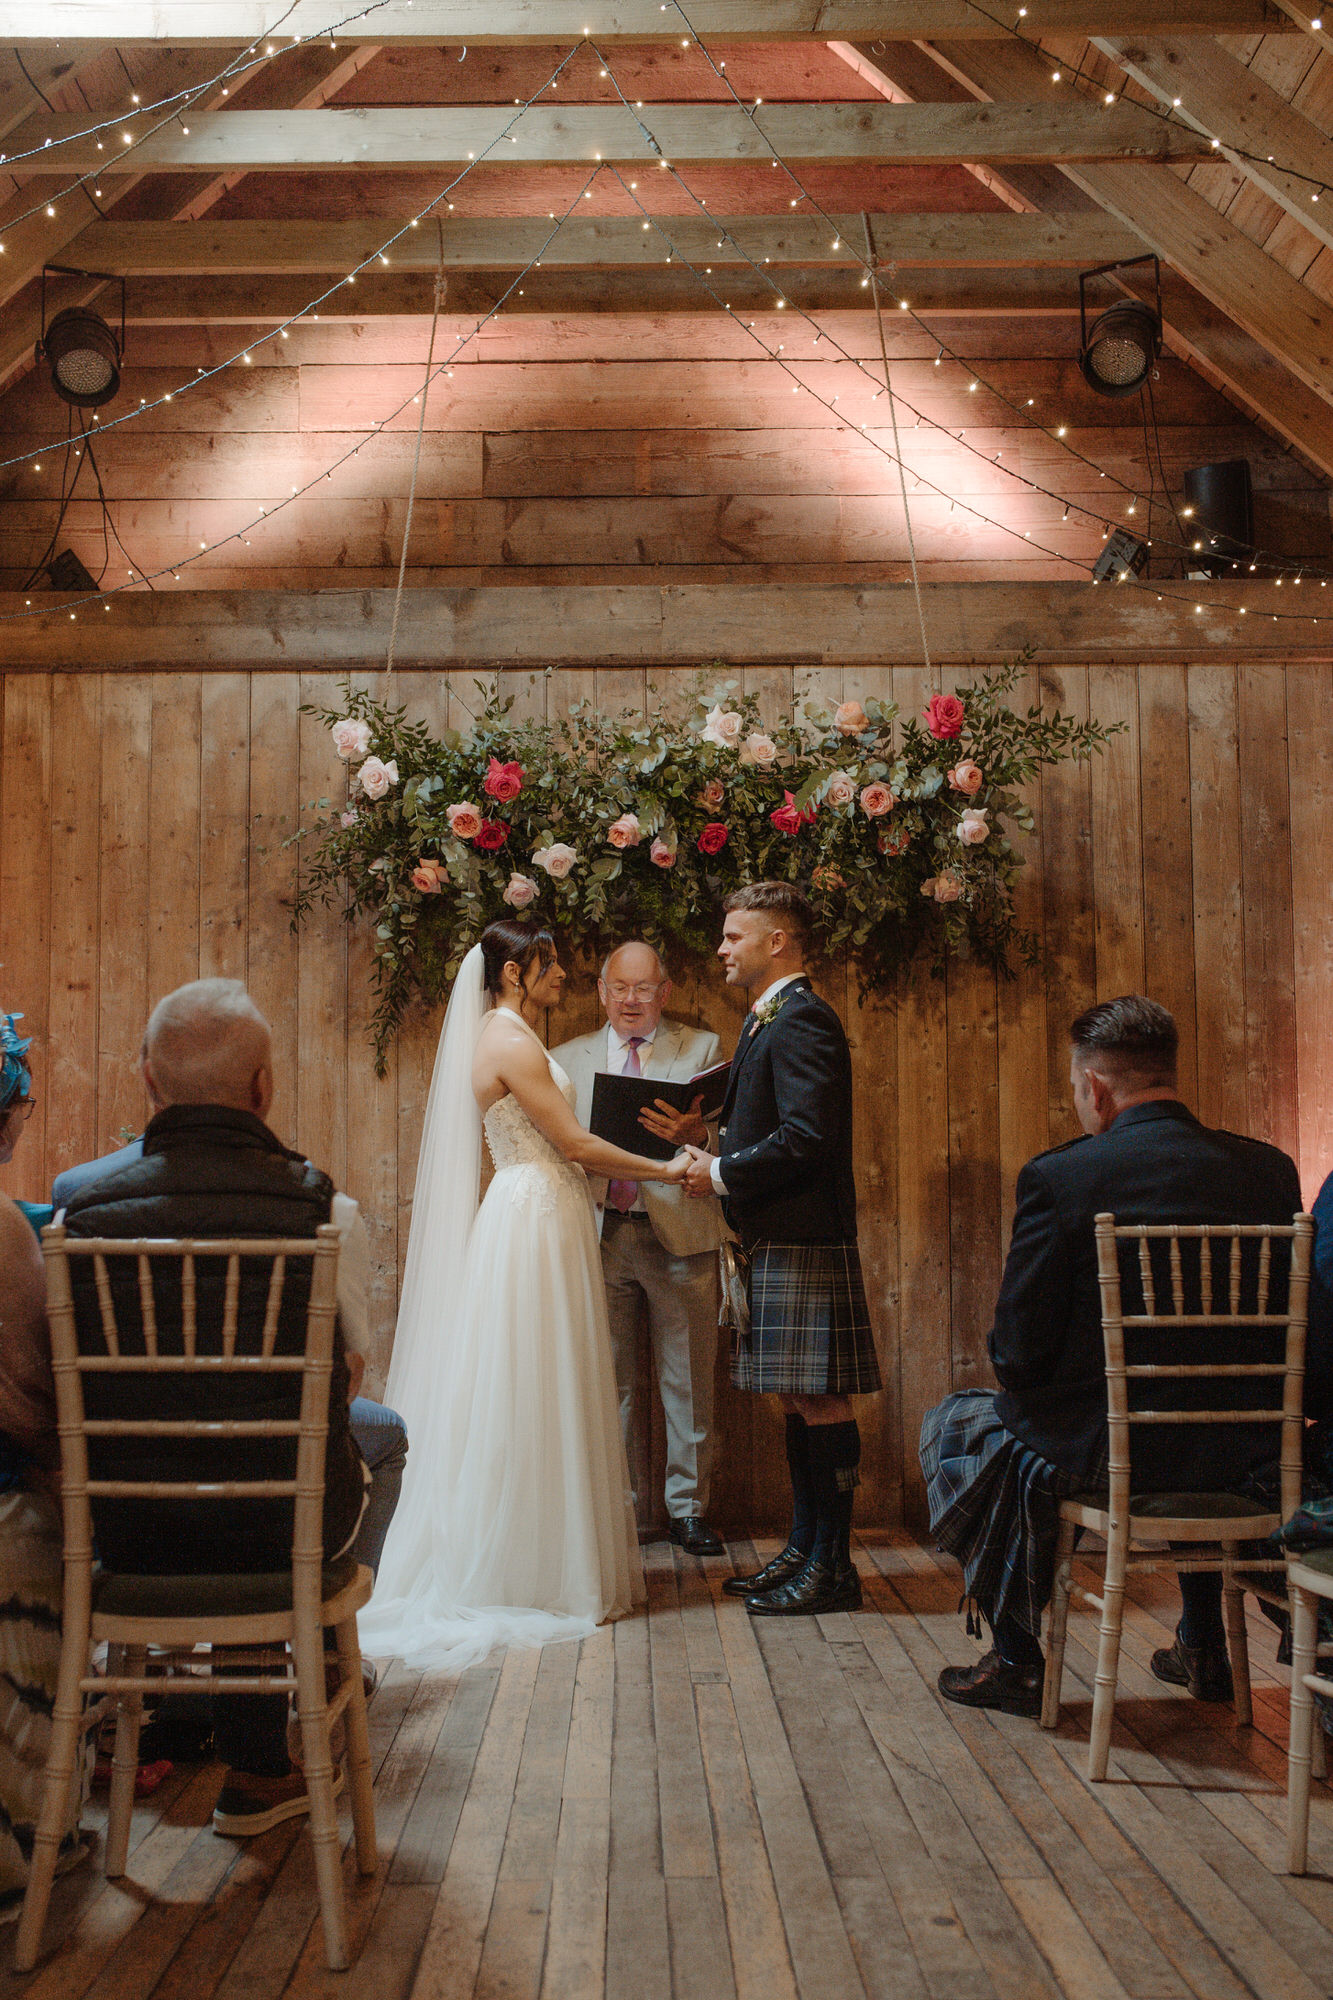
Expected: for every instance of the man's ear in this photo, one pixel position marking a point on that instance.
(1103, 1095)
(146, 1071)
(261, 1091)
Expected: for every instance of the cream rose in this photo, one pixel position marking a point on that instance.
(464, 820)
(849, 718)
(519, 891)
(972, 827)
(625, 831)
(557, 859)
(375, 778)
(351, 739)
(967, 777)
(759, 749)
(842, 789)
(723, 727)
(714, 792)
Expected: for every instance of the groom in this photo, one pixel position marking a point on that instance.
(784, 1171)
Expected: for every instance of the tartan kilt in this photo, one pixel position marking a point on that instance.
(809, 1332)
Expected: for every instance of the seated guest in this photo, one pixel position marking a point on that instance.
(997, 1462)
(30, 1529)
(380, 1433)
(209, 1166)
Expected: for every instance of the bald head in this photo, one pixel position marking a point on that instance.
(634, 988)
(208, 1043)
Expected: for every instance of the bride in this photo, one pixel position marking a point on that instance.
(514, 1525)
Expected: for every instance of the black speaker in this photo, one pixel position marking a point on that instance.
(1223, 517)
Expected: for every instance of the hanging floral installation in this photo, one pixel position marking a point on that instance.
(899, 827)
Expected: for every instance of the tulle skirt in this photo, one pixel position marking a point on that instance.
(515, 1525)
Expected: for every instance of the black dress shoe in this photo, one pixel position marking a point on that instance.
(993, 1683)
(1204, 1670)
(815, 1588)
(694, 1535)
(783, 1566)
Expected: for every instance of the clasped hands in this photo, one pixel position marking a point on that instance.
(687, 1130)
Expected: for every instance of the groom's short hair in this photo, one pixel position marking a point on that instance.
(780, 900)
(1130, 1038)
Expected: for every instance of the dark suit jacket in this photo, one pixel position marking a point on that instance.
(1319, 1348)
(785, 1133)
(1157, 1163)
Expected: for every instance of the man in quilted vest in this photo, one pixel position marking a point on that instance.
(210, 1166)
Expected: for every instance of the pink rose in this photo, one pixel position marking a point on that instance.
(948, 888)
(351, 739)
(943, 715)
(625, 831)
(972, 827)
(493, 835)
(759, 749)
(428, 876)
(375, 778)
(788, 818)
(723, 727)
(849, 718)
(519, 891)
(967, 777)
(661, 855)
(713, 792)
(876, 800)
(502, 781)
(713, 838)
(348, 818)
(842, 789)
(557, 859)
(464, 820)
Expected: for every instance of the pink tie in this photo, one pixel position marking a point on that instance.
(622, 1195)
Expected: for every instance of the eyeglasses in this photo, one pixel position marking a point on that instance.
(22, 1110)
(619, 993)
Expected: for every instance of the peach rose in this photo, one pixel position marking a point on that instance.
(519, 891)
(375, 778)
(625, 831)
(661, 855)
(723, 727)
(351, 739)
(464, 820)
(759, 749)
(972, 827)
(557, 859)
(894, 841)
(713, 792)
(849, 718)
(948, 888)
(842, 789)
(876, 800)
(428, 876)
(967, 777)
(827, 878)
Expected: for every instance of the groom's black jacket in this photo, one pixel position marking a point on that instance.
(1155, 1164)
(785, 1133)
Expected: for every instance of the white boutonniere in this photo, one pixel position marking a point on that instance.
(768, 1010)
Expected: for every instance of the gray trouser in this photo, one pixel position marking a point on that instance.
(681, 1298)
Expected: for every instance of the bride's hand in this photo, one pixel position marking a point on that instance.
(674, 1172)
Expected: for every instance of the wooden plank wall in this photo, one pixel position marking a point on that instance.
(141, 828)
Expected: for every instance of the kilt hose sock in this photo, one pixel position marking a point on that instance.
(802, 1534)
(835, 1456)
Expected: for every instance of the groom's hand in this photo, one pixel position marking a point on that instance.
(681, 1128)
(699, 1174)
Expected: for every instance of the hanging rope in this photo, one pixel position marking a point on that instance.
(873, 261)
(440, 286)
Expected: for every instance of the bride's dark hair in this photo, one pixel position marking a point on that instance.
(510, 941)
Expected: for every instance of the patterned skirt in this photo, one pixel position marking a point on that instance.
(30, 1590)
(809, 1332)
(993, 1504)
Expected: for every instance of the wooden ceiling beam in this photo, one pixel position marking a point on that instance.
(540, 625)
(996, 240)
(484, 22)
(1223, 99)
(1062, 129)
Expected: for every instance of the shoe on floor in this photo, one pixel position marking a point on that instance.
(250, 1803)
(693, 1534)
(993, 1683)
(816, 1588)
(781, 1569)
(1204, 1670)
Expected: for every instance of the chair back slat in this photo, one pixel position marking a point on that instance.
(1243, 1306)
(197, 1305)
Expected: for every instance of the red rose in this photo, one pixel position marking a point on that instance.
(944, 716)
(494, 833)
(713, 838)
(503, 781)
(788, 818)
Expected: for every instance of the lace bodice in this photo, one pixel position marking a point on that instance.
(514, 1141)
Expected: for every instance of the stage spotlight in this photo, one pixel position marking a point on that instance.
(68, 573)
(80, 349)
(1118, 352)
(1124, 555)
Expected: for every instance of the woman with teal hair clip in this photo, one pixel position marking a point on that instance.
(30, 1534)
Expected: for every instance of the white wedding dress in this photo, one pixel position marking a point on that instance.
(515, 1524)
